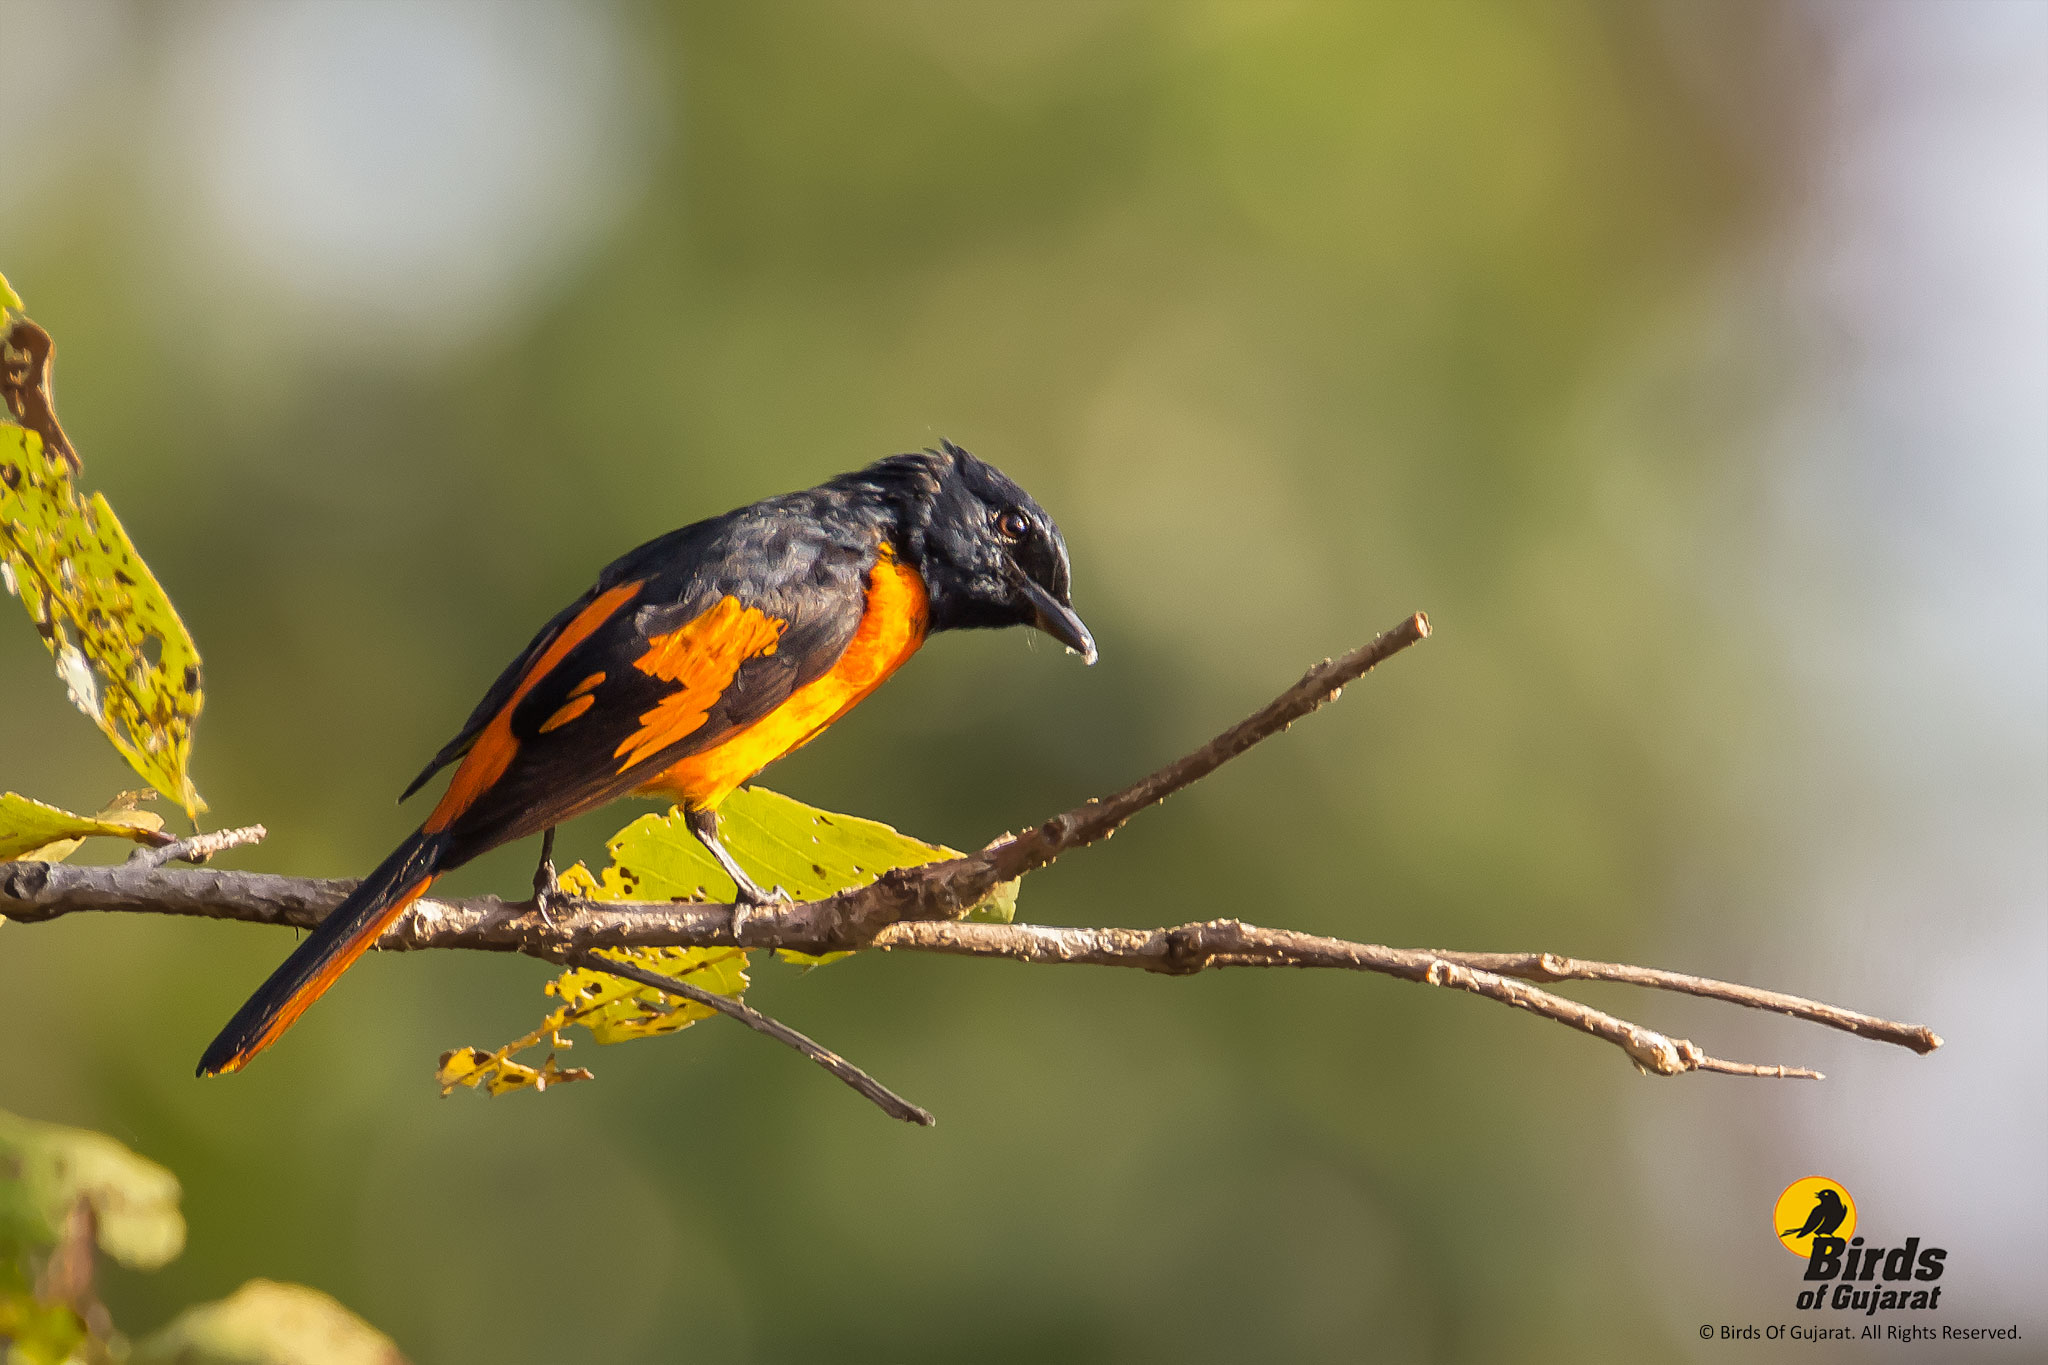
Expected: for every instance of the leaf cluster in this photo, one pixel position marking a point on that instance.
(68, 1196)
(806, 852)
(64, 1193)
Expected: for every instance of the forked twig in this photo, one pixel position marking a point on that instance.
(198, 848)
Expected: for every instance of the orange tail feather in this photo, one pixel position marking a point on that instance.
(330, 950)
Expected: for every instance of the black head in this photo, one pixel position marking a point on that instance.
(989, 555)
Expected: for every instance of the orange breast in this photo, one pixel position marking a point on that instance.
(890, 631)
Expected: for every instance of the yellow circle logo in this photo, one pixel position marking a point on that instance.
(1812, 1206)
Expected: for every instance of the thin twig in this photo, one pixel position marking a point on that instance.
(198, 848)
(1191, 948)
(943, 891)
(890, 1103)
(1551, 967)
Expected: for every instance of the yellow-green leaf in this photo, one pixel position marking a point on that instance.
(123, 654)
(616, 1010)
(9, 300)
(809, 853)
(267, 1323)
(46, 1168)
(30, 829)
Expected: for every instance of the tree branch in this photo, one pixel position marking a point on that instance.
(917, 909)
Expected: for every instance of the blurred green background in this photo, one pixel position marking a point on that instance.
(1682, 360)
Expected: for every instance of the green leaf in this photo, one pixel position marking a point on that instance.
(780, 842)
(618, 1011)
(45, 1169)
(125, 657)
(267, 1323)
(31, 830)
(9, 300)
(809, 853)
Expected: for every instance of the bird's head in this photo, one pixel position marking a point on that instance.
(988, 553)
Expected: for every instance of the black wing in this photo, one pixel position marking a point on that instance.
(793, 584)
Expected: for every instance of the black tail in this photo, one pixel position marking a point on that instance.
(330, 950)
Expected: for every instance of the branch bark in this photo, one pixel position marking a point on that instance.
(918, 909)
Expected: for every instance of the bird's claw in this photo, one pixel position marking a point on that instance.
(546, 892)
(750, 896)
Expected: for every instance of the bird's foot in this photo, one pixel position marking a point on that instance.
(750, 896)
(547, 891)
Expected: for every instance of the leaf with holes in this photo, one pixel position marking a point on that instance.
(780, 842)
(125, 657)
(495, 1072)
(809, 853)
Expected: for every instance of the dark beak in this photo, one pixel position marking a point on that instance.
(1057, 619)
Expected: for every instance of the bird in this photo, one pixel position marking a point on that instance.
(692, 663)
(1828, 1213)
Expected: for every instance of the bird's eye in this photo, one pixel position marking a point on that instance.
(1012, 525)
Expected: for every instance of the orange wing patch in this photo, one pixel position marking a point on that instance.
(568, 713)
(700, 657)
(890, 631)
(495, 745)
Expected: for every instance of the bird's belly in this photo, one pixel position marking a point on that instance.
(890, 631)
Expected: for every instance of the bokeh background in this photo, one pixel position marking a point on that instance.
(1688, 362)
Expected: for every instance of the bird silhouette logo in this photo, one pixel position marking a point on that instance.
(1828, 1213)
(1813, 1206)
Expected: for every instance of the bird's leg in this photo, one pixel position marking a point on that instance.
(704, 824)
(545, 888)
